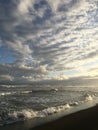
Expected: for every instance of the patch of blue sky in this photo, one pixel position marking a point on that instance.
(90, 64)
(6, 57)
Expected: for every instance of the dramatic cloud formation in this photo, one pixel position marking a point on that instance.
(48, 39)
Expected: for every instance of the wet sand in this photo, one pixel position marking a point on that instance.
(82, 120)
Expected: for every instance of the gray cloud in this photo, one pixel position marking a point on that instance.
(47, 35)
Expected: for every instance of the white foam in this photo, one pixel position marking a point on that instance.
(54, 89)
(8, 86)
(25, 113)
(6, 93)
(57, 109)
(89, 97)
(74, 104)
(26, 92)
(29, 113)
(15, 92)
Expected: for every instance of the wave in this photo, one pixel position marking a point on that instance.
(46, 90)
(27, 92)
(6, 93)
(14, 92)
(57, 109)
(7, 86)
(12, 117)
(89, 97)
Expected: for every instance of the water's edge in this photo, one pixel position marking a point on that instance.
(31, 123)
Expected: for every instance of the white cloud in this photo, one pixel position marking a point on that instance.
(46, 39)
(24, 5)
(60, 77)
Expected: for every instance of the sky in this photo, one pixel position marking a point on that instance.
(44, 40)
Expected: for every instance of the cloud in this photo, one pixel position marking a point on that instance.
(46, 35)
(4, 78)
(24, 6)
(22, 73)
(60, 77)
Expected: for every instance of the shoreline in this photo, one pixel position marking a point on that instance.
(81, 120)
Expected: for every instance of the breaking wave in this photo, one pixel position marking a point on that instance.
(89, 97)
(6, 93)
(24, 114)
(14, 92)
(9, 118)
(27, 92)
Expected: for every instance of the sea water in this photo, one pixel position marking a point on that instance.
(24, 102)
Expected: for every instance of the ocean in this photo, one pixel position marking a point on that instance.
(24, 102)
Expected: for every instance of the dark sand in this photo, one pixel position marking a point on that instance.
(82, 120)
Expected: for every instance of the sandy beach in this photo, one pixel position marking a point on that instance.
(81, 120)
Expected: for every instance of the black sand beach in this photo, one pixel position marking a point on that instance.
(82, 120)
